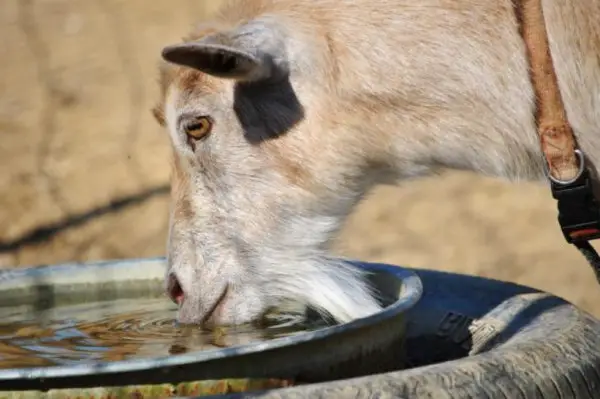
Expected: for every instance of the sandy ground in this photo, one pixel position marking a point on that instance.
(76, 135)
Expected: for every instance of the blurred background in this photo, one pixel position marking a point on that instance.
(84, 168)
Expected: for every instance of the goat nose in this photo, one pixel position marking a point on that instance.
(174, 290)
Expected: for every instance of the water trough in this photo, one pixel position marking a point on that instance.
(364, 346)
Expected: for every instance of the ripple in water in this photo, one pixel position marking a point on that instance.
(116, 330)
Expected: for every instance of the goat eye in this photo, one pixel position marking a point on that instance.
(198, 128)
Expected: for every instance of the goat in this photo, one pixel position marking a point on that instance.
(282, 114)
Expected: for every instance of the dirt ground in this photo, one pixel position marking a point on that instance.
(84, 168)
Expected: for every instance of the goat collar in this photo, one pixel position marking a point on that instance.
(570, 181)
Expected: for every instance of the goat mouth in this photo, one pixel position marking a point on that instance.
(177, 295)
(208, 319)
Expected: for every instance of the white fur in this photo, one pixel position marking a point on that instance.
(359, 93)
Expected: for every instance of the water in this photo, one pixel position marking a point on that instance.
(116, 330)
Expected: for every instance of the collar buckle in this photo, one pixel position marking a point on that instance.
(578, 208)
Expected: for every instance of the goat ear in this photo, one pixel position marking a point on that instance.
(213, 59)
(220, 56)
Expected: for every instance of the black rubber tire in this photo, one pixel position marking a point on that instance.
(472, 337)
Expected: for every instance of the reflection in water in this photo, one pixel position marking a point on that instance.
(112, 331)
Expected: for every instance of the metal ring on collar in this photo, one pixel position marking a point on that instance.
(581, 158)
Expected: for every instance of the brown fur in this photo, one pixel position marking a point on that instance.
(180, 183)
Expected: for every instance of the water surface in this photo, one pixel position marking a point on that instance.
(115, 330)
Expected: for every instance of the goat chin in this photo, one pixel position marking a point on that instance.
(332, 287)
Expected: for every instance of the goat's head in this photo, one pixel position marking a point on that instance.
(261, 181)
